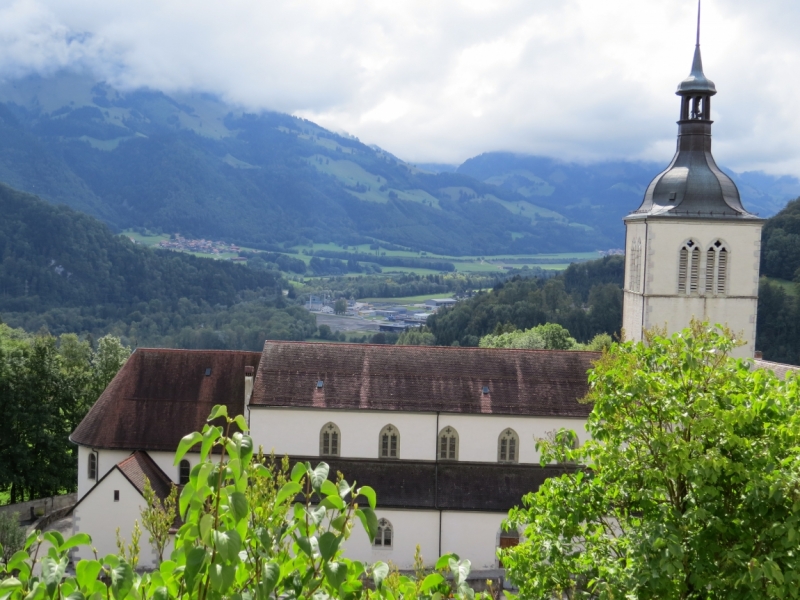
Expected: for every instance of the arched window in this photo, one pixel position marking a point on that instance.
(385, 535)
(389, 442)
(689, 268)
(448, 444)
(508, 446)
(716, 268)
(184, 469)
(329, 440)
(91, 466)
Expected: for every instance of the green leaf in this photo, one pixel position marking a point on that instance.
(289, 490)
(222, 577)
(319, 476)
(270, 576)
(86, 572)
(369, 494)
(335, 574)
(298, 471)
(187, 493)
(9, 584)
(194, 562)
(220, 410)
(239, 506)
(328, 545)
(79, 539)
(305, 545)
(121, 579)
(431, 581)
(444, 560)
(240, 422)
(76, 595)
(369, 521)
(210, 436)
(161, 593)
(328, 488)
(206, 524)
(333, 502)
(260, 470)
(17, 560)
(344, 488)
(187, 443)
(379, 572)
(227, 543)
(55, 538)
(53, 572)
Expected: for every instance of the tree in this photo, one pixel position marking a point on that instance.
(416, 337)
(688, 488)
(158, 517)
(340, 306)
(550, 336)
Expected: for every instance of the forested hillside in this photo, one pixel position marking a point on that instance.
(586, 299)
(67, 272)
(196, 166)
(780, 244)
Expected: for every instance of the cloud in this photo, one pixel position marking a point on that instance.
(443, 81)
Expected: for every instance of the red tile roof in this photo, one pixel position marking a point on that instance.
(161, 395)
(780, 369)
(423, 378)
(138, 466)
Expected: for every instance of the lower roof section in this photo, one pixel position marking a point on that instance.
(444, 485)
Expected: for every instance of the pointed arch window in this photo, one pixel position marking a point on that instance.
(689, 268)
(384, 537)
(508, 446)
(329, 440)
(389, 441)
(448, 444)
(91, 466)
(716, 268)
(184, 470)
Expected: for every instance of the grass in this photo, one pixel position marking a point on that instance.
(790, 287)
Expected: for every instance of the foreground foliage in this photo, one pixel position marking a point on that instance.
(690, 487)
(248, 532)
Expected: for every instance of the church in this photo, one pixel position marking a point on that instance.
(446, 436)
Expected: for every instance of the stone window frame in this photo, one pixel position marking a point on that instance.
(330, 440)
(508, 446)
(450, 446)
(386, 450)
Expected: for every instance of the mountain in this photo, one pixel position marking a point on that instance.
(68, 272)
(194, 165)
(603, 193)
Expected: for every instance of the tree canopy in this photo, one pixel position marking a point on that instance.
(688, 488)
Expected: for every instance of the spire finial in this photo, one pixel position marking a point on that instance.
(698, 23)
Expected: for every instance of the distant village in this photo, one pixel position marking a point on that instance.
(389, 318)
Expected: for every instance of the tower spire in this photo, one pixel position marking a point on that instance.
(698, 24)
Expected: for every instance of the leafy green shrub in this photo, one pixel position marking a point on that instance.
(243, 537)
(12, 536)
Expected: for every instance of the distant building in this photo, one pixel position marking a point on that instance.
(437, 302)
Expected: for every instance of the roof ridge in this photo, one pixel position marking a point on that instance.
(427, 348)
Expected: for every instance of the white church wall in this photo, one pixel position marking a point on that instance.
(164, 461)
(473, 535)
(478, 434)
(99, 516)
(296, 432)
(410, 527)
(106, 460)
(664, 306)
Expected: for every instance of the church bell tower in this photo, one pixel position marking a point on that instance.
(691, 248)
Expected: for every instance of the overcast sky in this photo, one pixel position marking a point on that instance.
(443, 80)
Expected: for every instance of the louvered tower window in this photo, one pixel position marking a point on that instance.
(689, 268)
(716, 269)
(389, 442)
(329, 438)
